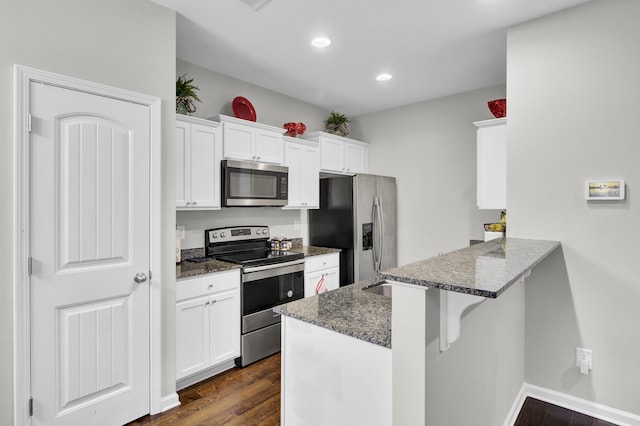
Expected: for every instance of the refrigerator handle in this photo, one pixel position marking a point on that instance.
(374, 211)
(381, 228)
(377, 228)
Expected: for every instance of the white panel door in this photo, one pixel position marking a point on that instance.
(89, 203)
(206, 153)
(225, 326)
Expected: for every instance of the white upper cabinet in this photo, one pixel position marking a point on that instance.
(198, 155)
(340, 155)
(302, 157)
(247, 140)
(492, 164)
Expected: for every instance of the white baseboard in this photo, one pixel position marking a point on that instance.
(599, 411)
(515, 407)
(170, 401)
(204, 374)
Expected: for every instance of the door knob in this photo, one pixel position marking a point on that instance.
(140, 278)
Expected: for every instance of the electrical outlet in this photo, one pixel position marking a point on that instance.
(584, 355)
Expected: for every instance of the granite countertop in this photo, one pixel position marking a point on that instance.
(186, 269)
(309, 251)
(485, 269)
(346, 310)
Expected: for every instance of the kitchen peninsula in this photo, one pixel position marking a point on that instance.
(424, 378)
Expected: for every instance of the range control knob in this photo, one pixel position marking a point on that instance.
(264, 232)
(222, 235)
(214, 235)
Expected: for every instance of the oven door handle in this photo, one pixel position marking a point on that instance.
(273, 266)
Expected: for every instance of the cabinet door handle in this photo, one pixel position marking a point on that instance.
(195, 202)
(206, 304)
(210, 285)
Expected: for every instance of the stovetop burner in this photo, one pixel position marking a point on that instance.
(246, 245)
(261, 257)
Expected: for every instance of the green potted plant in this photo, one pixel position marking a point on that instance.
(186, 95)
(337, 124)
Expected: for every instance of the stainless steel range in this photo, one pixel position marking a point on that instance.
(269, 278)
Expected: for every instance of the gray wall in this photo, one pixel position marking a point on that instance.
(573, 83)
(431, 149)
(477, 379)
(272, 108)
(124, 43)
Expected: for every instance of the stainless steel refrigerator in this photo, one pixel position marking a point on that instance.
(357, 215)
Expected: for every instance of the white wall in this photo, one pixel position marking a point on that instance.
(123, 43)
(573, 83)
(431, 149)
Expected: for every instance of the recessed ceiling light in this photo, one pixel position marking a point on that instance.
(320, 42)
(384, 77)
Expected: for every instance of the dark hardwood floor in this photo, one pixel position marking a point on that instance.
(539, 413)
(240, 396)
(250, 396)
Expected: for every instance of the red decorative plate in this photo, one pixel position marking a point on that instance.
(242, 108)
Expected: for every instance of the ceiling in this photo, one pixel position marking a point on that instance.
(433, 48)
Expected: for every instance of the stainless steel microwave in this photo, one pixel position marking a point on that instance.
(246, 183)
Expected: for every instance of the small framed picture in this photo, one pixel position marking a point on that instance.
(612, 189)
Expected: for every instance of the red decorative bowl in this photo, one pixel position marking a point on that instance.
(498, 107)
(294, 129)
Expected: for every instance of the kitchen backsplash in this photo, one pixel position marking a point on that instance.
(290, 223)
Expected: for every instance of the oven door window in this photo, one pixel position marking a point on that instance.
(265, 293)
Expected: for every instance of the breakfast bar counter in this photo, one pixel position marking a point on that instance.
(485, 269)
(394, 366)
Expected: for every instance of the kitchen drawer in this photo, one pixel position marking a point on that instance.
(207, 284)
(325, 261)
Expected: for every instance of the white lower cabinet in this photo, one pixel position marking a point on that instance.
(207, 325)
(321, 274)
